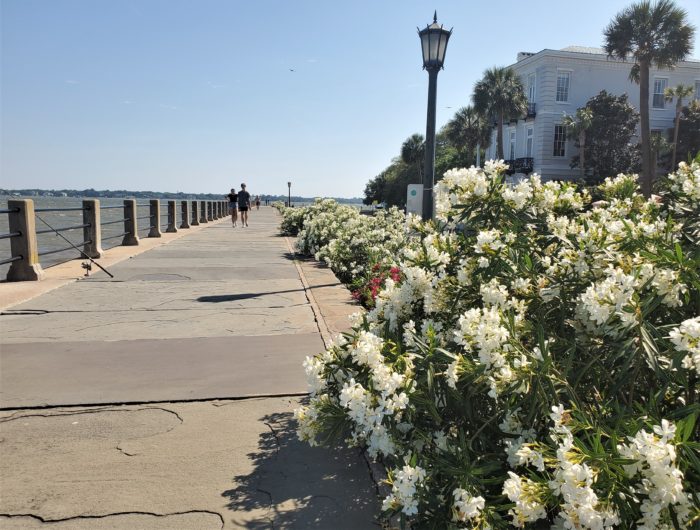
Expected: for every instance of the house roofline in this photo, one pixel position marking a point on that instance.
(598, 57)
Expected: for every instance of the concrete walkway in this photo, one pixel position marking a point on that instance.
(163, 398)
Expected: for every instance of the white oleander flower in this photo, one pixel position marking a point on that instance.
(466, 507)
(686, 338)
(403, 490)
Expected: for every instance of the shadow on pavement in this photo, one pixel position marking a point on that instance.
(215, 299)
(294, 485)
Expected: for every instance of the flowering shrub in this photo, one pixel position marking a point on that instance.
(349, 242)
(537, 363)
(365, 290)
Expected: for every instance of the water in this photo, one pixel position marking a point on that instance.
(51, 241)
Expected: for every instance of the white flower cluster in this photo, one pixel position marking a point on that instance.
(661, 481)
(686, 338)
(686, 181)
(612, 296)
(403, 490)
(573, 481)
(466, 507)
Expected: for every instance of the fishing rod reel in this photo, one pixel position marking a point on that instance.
(87, 266)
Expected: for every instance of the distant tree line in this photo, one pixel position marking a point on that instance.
(125, 194)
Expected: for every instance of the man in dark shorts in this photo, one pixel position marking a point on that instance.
(232, 205)
(243, 204)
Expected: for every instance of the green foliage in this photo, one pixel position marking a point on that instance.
(689, 132)
(609, 146)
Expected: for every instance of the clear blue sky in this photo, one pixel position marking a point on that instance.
(198, 96)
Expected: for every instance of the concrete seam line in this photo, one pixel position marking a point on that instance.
(320, 321)
(153, 402)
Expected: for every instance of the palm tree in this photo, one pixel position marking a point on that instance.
(679, 92)
(577, 126)
(499, 95)
(413, 153)
(652, 34)
(659, 146)
(468, 129)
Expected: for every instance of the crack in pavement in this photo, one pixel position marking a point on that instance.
(104, 516)
(41, 312)
(274, 433)
(14, 417)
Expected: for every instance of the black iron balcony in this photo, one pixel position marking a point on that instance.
(523, 165)
(531, 110)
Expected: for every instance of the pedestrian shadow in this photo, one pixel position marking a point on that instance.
(218, 298)
(293, 485)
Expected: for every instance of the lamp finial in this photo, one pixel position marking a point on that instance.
(435, 17)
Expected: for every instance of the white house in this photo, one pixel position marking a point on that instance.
(559, 82)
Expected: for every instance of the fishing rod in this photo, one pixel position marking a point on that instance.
(76, 248)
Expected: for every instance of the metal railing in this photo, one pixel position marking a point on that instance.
(22, 218)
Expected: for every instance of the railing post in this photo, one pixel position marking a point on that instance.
(214, 212)
(185, 211)
(224, 209)
(25, 246)
(209, 212)
(92, 234)
(172, 217)
(155, 219)
(195, 217)
(203, 212)
(131, 237)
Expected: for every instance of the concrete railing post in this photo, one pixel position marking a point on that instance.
(185, 214)
(172, 217)
(224, 209)
(214, 211)
(131, 236)
(92, 234)
(203, 212)
(23, 246)
(195, 217)
(155, 219)
(210, 217)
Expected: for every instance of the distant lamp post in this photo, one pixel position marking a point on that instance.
(433, 40)
(289, 187)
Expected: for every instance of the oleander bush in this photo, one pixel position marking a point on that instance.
(532, 362)
(349, 242)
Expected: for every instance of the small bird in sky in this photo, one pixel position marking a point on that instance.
(292, 70)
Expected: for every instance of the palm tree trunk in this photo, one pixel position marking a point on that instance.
(675, 133)
(647, 176)
(499, 137)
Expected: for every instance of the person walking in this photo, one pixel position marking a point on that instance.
(243, 204)
(232, 205)
(257, 202)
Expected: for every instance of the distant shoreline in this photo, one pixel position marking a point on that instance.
(126, 194)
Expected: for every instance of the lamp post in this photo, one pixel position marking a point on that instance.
(433, 41)
(289, 187)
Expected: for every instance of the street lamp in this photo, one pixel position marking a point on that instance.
(289, 186)
(433, 40)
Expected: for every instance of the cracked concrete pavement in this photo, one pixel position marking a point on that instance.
(187, 334)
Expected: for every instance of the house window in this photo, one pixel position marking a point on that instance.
(511, 153)
(559, 140)
(660, 84)
(563, 79)
(529, 134)
(697, 90)
(531, 88)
